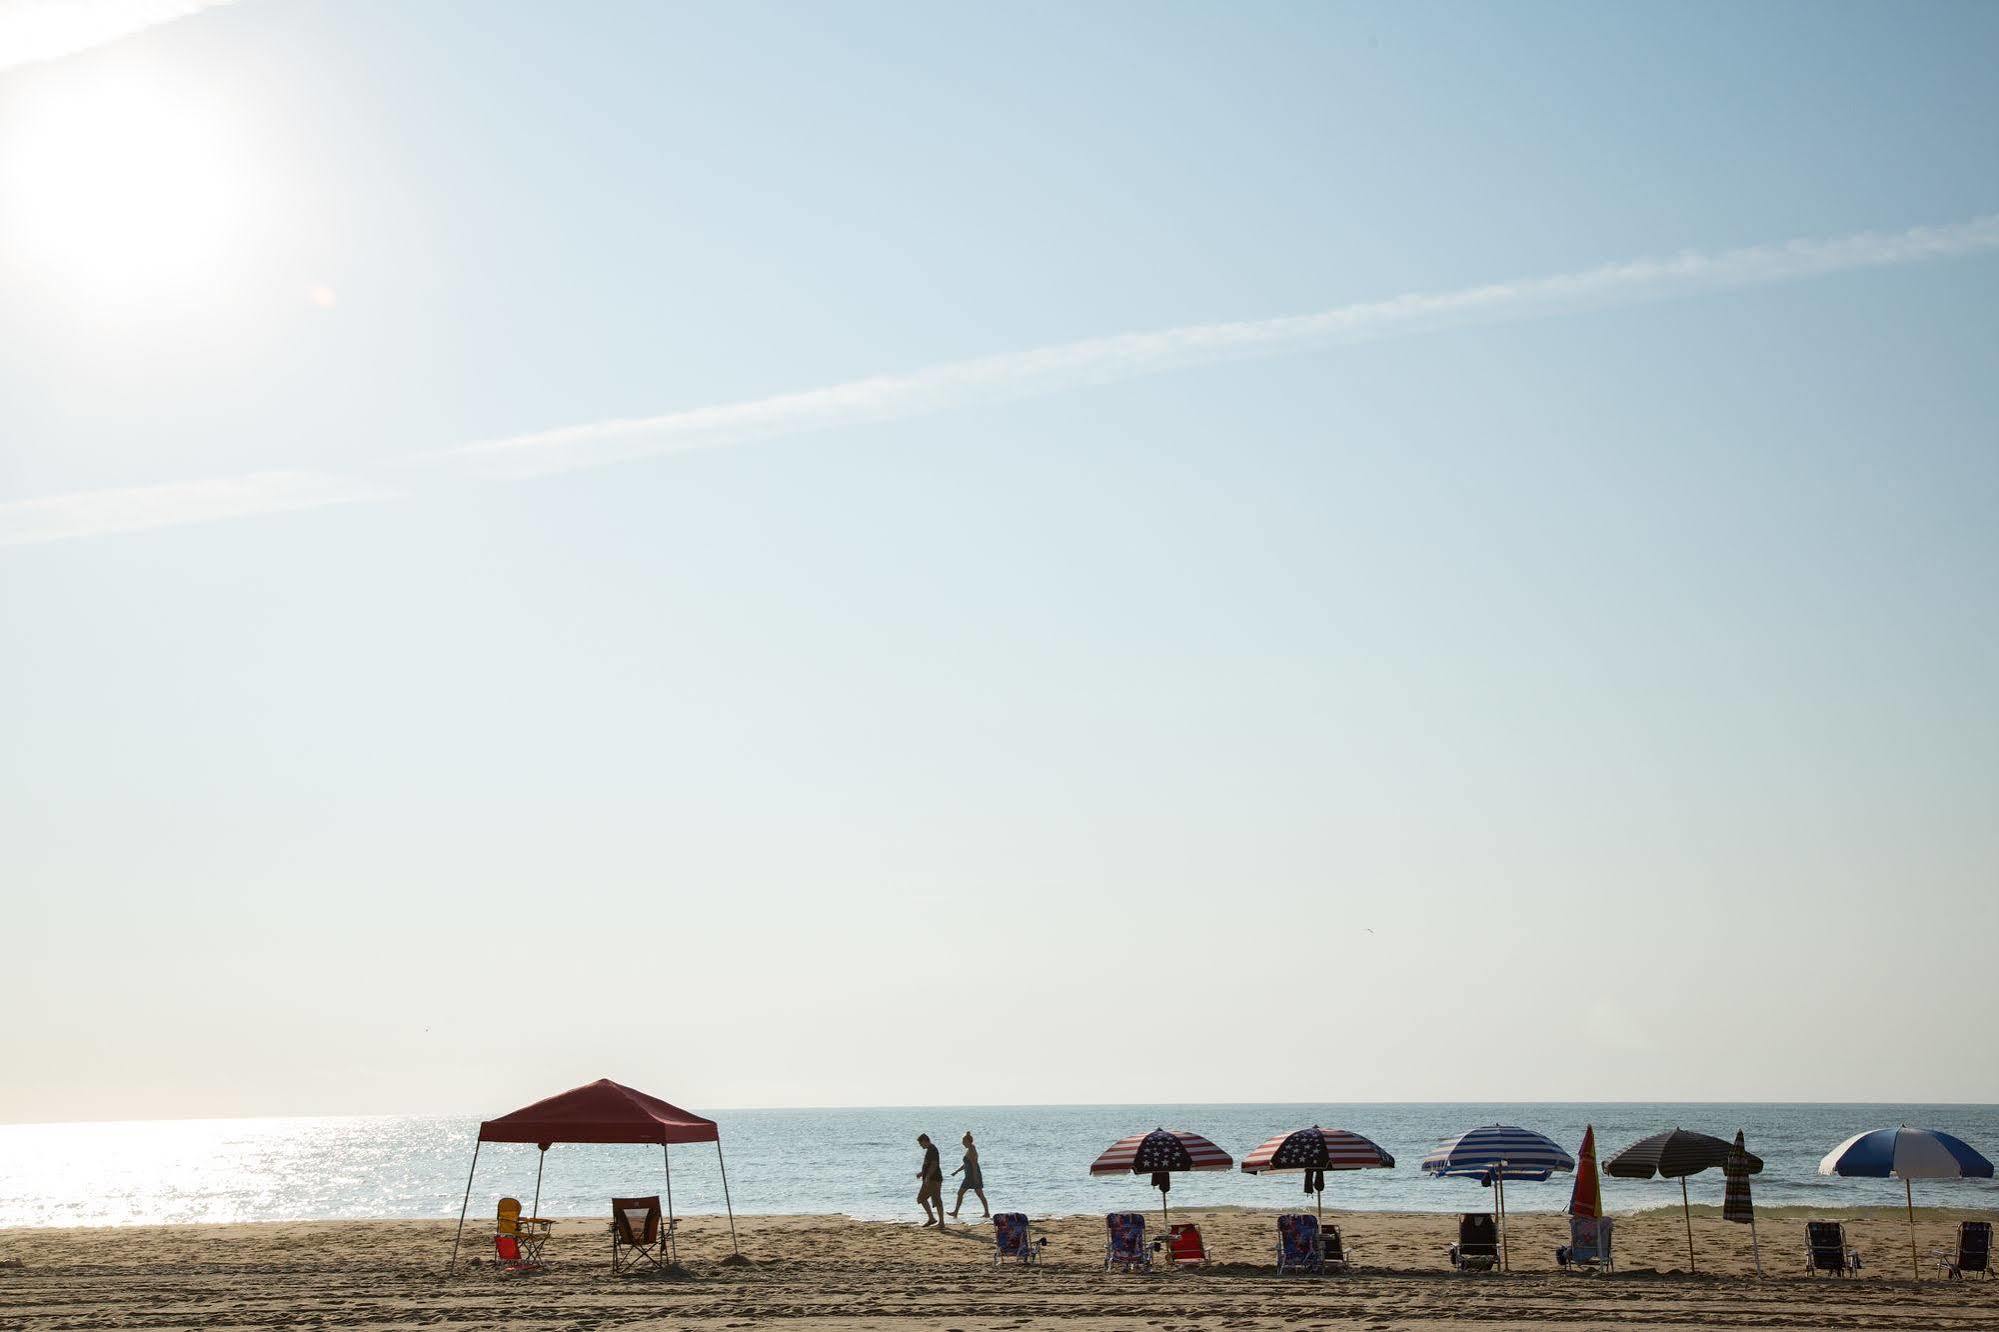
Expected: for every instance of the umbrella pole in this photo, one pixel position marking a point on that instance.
(539, 1161)
(1755, 1254)
(1499, 1189)
(1687, 1213)
(462, 1208)
(725, 1196)
(666, 1157)
(1909, 1196)
(1165, 1219)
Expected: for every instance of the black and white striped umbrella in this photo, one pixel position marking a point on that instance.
(1675, 1155)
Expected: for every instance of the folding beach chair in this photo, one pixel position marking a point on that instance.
(524, 1236)
(1477, 1249)
(1298, 1247)
(1827, 1251)
(1124, 1243)
(1974, 1251)
(1588, 1246)
(1183, 1245)
(1010, 1239)
(637, 1236)
(1338, 1257)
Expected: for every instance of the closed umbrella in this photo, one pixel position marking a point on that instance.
(1674, 1155)
(1735, 1202)
(1161, 1154)
(1906, 1154)
(1316, 1150)
(1493, 1154)
(1586, 1198)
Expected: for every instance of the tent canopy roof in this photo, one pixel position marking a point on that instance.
(600, 1111)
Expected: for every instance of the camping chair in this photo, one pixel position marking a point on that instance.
(1183, 1245)
(637, 1235)
(1298, 1248)
(1338, 1257)
(1124, 1243)
(524, 1236)
(1010, 1239)
(1477, 1249)
(1974, 1251)
(1826, 1250)
(1588, 1246)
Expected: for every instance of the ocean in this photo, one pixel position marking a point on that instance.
(862, 1162)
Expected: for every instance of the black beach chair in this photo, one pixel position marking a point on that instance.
(1826, 1250)
(1477, 1249)
(1339, 1258)
(1974, 1251)
(637, 1236)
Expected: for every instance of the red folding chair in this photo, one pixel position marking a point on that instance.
(1184, 1247)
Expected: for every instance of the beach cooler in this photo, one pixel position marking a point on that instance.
(1010, 1239)
(1124, 1243)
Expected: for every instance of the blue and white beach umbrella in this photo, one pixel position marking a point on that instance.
(1906, 1154)
(1494, 1154)
(1498, 1151)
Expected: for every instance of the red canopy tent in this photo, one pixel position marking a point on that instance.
(599, 1112)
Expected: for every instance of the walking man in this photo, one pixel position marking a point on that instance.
(930, 1186)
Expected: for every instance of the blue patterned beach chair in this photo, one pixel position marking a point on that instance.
(1010, 1239)
(1588, 1246)
(1298, 1244)
(1124, 1243)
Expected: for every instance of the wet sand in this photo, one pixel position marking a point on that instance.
(831, 1272)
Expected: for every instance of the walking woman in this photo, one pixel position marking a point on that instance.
(973, 1182)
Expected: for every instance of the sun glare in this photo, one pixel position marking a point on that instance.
(125, 187)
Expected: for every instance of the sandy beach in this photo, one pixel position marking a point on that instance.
(831, 1272)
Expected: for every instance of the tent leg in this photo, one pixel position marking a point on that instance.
(666, 1156)
(462, 1208)
(539, 1161)
(725, 1196)
(1687, 1213)
(1909, 1197)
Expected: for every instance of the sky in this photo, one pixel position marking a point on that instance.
(875, 554)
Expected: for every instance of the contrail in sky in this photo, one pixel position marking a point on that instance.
(955, 384)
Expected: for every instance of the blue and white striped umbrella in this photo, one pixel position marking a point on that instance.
(1906, 1154)
(1498, 1151)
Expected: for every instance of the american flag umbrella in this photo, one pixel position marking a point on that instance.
(1493, 1154)
(1735, 1203)
(1906, 1154)
(1161, 1154)
(1675, 1155)
(1316, 1150)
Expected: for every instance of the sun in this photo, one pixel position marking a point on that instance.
(123, 183)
